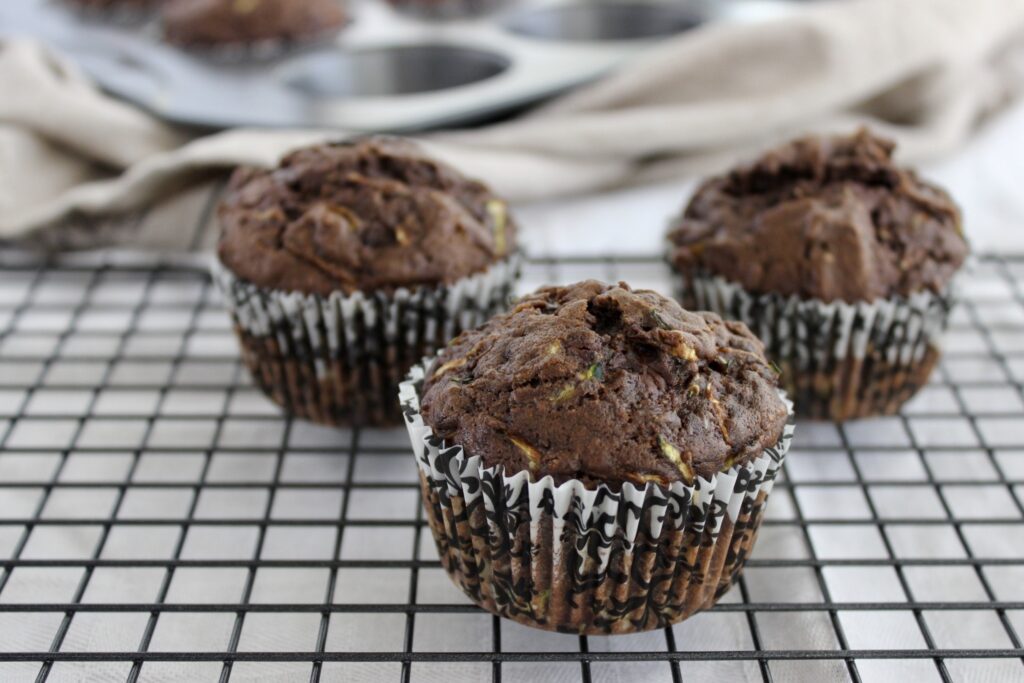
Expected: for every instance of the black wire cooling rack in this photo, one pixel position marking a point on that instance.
(160, 521)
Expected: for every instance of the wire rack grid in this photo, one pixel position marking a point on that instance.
(161, 521)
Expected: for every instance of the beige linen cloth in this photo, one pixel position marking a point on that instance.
(923, 71)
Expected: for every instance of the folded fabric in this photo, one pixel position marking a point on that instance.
(922, 71)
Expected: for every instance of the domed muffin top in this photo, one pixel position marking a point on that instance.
(208, 23)
(375, 214)
(607, 385)
(829, 218)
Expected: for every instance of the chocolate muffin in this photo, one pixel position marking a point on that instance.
(110, 4)
(630, 446)
(839, 259)
(446, 9)
(116, 10)
(348, 263)
(241, 23)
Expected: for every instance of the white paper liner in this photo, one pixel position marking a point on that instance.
(337, 359)
(839, 360)
(587, 559)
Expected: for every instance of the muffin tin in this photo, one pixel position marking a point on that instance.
(386, 71)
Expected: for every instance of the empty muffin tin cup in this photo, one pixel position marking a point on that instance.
(399, 70)
(604, 21)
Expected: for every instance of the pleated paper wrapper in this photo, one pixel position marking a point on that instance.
(581, 559)
(338, 359)
(838, 360)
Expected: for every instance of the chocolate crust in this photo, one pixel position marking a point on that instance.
(606, 384)
(827, 218)
(208, 23)
(370, 215)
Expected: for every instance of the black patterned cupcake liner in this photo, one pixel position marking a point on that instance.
(337, 360)
(838, 360)
(588, 560)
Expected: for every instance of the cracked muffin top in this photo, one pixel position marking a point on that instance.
(607, 385)
(829, 218)
(374, 214)
(207, 23)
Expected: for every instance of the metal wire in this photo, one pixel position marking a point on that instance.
(134, 364)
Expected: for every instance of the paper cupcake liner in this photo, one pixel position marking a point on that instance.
(838, 360)
(581, 559)
(337, 360)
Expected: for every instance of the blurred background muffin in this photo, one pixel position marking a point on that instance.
(839, 259)
(110, 4)
(247, 23)
(116, 10)
(447, 9)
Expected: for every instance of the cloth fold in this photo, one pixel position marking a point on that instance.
(925, 72)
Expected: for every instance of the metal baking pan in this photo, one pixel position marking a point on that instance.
(386, 71)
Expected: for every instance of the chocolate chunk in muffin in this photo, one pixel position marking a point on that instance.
(371, 215)
(828, 218)
(607, 385)
(206, 23)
